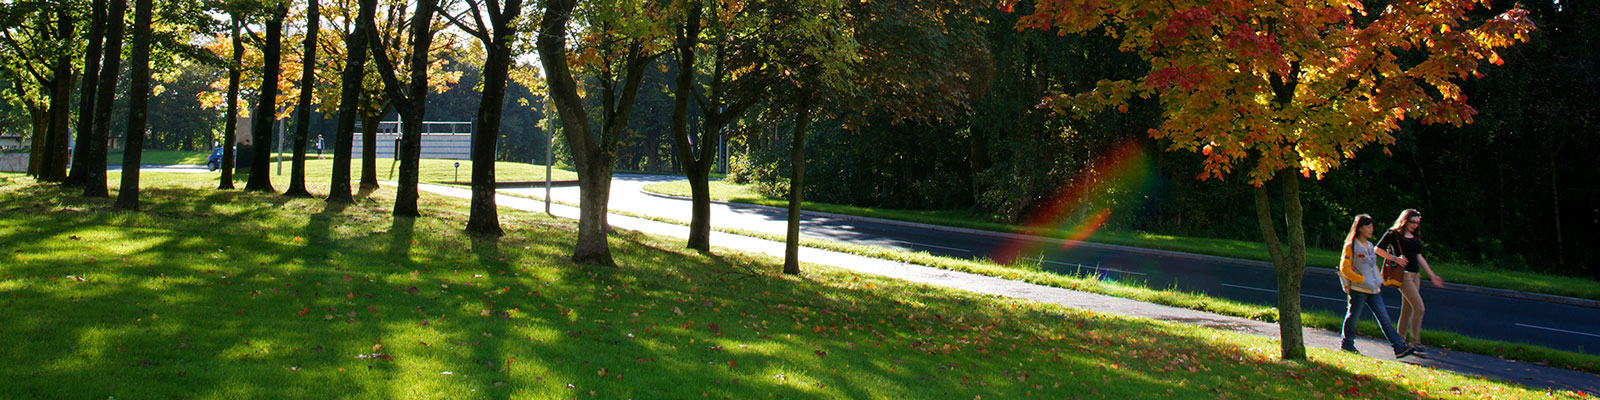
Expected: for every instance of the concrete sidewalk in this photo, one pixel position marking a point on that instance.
(1467, 363)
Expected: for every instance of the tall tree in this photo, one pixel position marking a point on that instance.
(308, 84)
(267, 102)
(138, 104)
(1288, 90)
(61, 79)
(36, 44)
(94, 184)
(412, 102)
(350, 88)
(87, 91)
(617, 58)
(816, 67)
(498, 35)
(734, 38)
(231, 123)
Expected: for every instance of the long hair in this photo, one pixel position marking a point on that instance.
(1400, 223)
(1355, 228)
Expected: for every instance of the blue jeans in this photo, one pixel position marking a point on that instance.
(1358, 302)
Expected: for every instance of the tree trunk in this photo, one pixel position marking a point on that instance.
(369, 149)
(350, 108)
(485, 215)
(231, 126)
(593, 157)
(138, 105)
(39, 118)
(94, 184)
(797, 172)
(696, 168)
(266, 105)
(308, 83)
(86, 93)
(594, 194)
(55, 164)
(412, 105)
(1289, 268)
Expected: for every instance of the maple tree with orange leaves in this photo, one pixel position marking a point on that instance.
(1286, 89)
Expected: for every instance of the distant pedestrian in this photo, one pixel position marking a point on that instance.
(1358, 272)
(1404, 239)
(319, 146)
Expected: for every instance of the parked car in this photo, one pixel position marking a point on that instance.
(215, 161)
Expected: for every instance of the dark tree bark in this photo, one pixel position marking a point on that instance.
(94, 184)
(594, 156)
(497, 38)
(39, 123)
(369, 147)
(308, 83)
(231, 125)
(1289, 268)
(138, 105)
(797, 158)
(54, 168)
(265, 116)
(412, 105)
(87, 91)
(350, 106)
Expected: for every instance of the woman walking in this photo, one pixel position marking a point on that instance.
(1403, 239)
(1358, 272)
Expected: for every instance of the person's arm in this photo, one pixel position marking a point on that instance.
(1397, 260)
(1347, 266)
(1437, 282)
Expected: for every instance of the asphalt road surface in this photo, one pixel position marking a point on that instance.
(1559, 326)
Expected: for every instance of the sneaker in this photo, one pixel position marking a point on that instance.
(1350, 350)
(1418, 349)
(1405, 352)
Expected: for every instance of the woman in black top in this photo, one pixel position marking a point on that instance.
(1403, 239)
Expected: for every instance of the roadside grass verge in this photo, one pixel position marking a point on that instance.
(1094, 283)
(1463, 273)
(229, 294)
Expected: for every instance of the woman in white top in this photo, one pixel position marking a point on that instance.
(1358, 271)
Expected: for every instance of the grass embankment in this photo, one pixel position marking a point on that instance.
(1093, 283)
(226, 294)
(1463, 273)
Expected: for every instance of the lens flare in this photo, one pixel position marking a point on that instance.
(1116, 184)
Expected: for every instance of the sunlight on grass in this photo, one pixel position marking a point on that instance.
(288, 298)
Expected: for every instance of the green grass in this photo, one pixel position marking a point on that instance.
(1463, 273)
(230, 294)
(163, 157)
(1135, 290)
(321, 169)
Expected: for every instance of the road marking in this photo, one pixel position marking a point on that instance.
(1086, 266)
(929, 245)
(1302, 294)
(1558, 330)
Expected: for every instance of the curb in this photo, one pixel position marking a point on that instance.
(1548, 298)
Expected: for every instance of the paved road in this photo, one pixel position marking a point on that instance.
(1558, 326)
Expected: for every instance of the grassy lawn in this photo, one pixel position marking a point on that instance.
(1089, 282)
(228, 294)
(321, 169)
(163, 157)
(1470, 274)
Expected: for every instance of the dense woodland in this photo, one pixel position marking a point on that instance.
(1014, 111)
